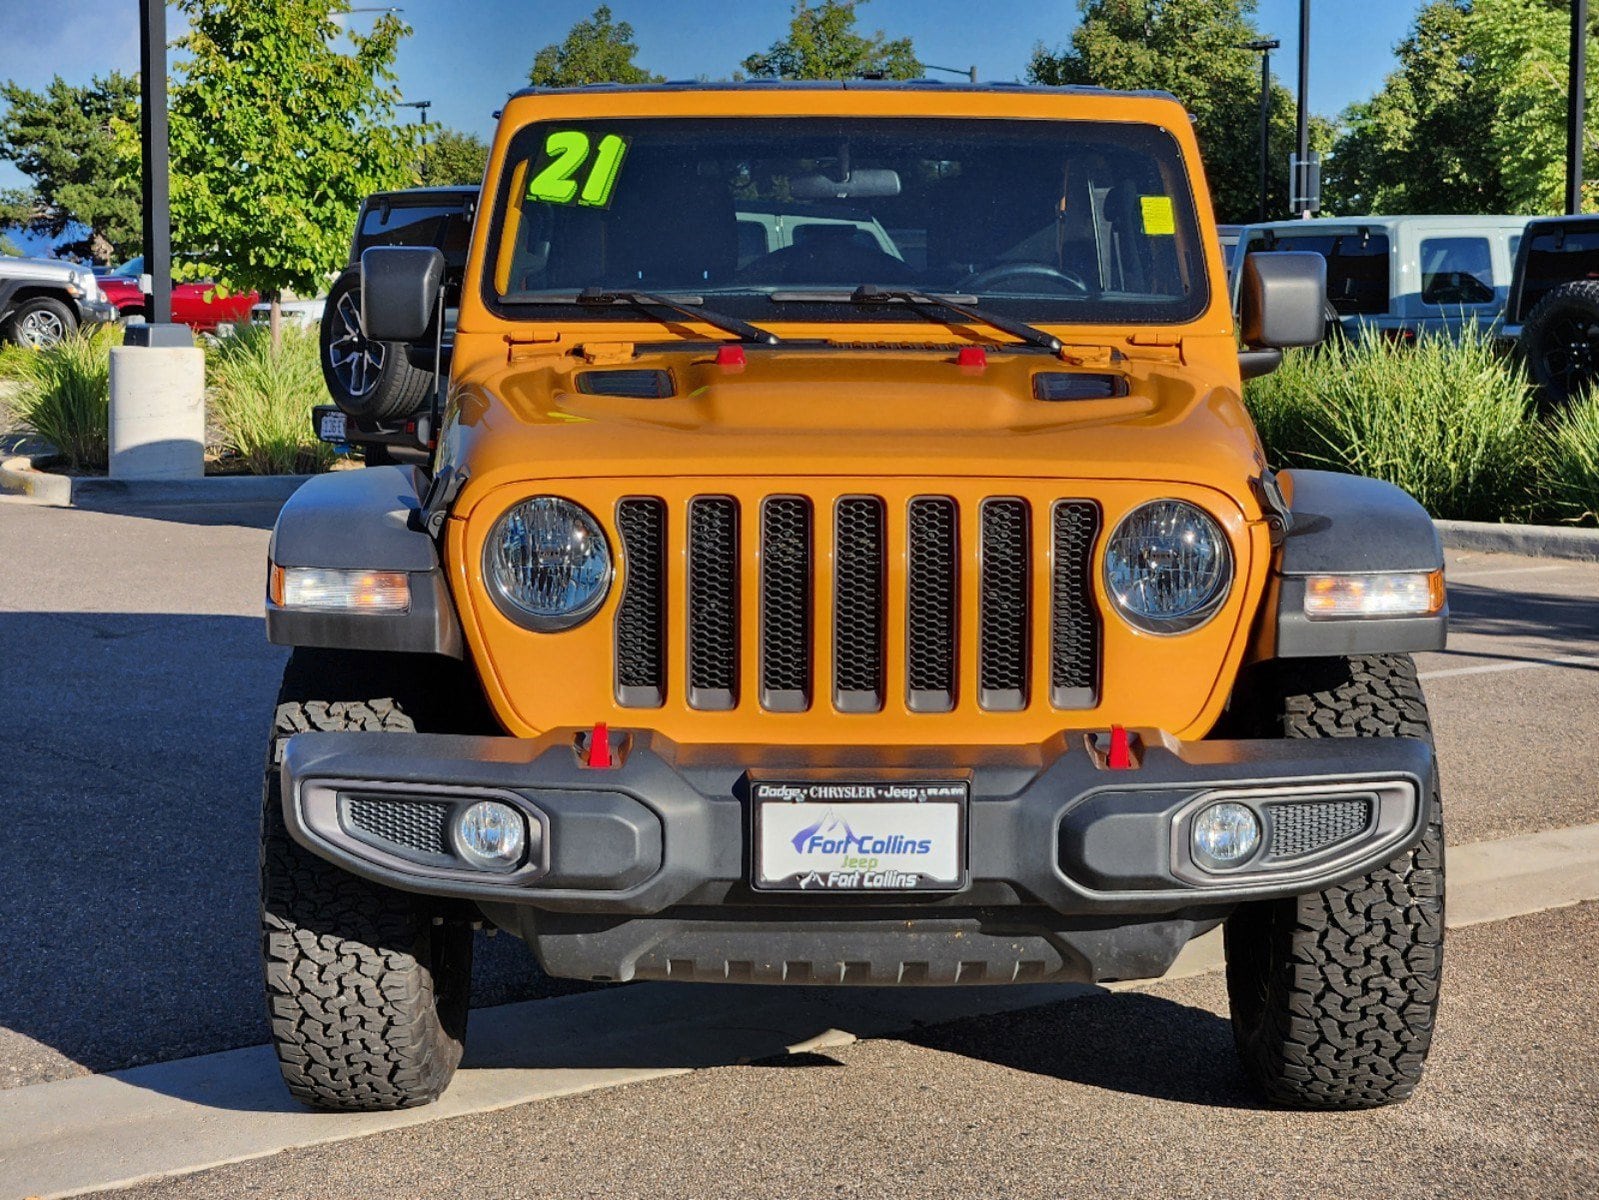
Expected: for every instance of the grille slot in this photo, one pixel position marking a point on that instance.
(1074, 618)
(931, 600)
(1002, 606)
(859, 587)
(786, 604)
(713, 602)
(419, 826)
(1303, 827)
(641, 614)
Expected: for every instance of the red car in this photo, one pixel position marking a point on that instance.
(193, 304)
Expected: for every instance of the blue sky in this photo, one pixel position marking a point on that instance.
(466, 55)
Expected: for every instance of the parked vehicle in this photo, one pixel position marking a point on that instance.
(43, 300)
(201, 305)
(1553, 313)
(304, 313)
(1400, 277)
(382, 392)
(931, 618)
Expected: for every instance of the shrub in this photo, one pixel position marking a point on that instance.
(1449, 421)
(1573, 452)
(261, 400)
(64, 394)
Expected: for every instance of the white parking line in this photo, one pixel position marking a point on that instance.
(1566, 660)
(105, 1131)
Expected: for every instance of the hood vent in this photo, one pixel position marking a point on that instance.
(637, 385)
(1076, 385)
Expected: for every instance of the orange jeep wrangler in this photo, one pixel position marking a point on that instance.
(846, 559)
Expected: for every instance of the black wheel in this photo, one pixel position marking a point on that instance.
(367, 987)
(1560, 340)
(366, 379)
(39, 322)
(1334, 994)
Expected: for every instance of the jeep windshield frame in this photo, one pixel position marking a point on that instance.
(1046, 222)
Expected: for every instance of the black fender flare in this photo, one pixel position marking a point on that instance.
(364, 520)
(1348, 524)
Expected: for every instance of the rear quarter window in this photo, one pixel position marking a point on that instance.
(1456, 271)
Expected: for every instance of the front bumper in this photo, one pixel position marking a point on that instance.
(642, 870)
(96, 312)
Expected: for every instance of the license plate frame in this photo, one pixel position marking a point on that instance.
(333, 427)
(884, 819)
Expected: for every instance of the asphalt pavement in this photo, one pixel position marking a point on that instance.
(137, 688)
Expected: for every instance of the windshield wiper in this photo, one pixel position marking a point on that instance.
(742, 330)
(869, 293)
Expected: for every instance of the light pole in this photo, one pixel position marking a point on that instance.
(1302, 199)
(1264, 47)
(422, 107)
(970, 72)
(155, 183)
(1576, 98)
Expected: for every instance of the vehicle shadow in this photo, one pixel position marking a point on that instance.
(1571, 620)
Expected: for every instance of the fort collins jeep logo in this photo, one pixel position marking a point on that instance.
(859, 836)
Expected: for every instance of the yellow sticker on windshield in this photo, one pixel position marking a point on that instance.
(1160, 219)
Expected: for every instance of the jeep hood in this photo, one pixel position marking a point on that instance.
(854, 413)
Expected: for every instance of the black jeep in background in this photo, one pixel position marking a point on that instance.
(1552, 314)
(382, 390)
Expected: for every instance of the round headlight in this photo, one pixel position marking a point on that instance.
(1167, 567)
(547, 564)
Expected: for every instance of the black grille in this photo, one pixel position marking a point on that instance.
(641, 615)
(639, 385)
(786, 604)
(931, 579)
(1077, 385)
(1074, 618)
(1002, 606)
(1307, 826)
(418, 825)
(713, 602)
(858, 605)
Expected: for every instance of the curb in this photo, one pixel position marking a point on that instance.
(1536, 541)
(21, 476)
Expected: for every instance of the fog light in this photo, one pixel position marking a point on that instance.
(1225, 835)
(491, 835)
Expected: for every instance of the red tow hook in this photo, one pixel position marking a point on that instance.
(599, 756)
(1119, 755)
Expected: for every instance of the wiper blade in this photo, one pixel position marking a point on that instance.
(869, 293)
(742, 330)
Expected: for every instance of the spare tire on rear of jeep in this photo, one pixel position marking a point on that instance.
(371, 381)
(1560, 339)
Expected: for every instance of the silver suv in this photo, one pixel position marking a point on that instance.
(43, 300)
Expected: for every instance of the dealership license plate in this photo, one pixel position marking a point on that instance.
(839, 836)
(334, 427)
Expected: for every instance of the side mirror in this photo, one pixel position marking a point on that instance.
(400, 287)
(1283, 303)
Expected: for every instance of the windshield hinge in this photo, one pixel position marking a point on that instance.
(535, 344)
(607, 352)
(1165, 347)
(1091, 356)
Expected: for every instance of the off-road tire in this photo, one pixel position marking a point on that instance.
(62, 315)
(396, 391)
(1334, 994)
(367, 987)
(1570, 311)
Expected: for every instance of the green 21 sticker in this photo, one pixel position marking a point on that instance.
(566, 153)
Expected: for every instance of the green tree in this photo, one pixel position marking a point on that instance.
(8, 248)
(1190, 48)
(73, 144)
(597, 50)
(451, 157)
(277, 136)
(822, 43)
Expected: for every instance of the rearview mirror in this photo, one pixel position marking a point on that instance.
(871, 183)
(400, 287)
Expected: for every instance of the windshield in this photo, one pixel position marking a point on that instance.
(1055, 221)
(131, 269)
